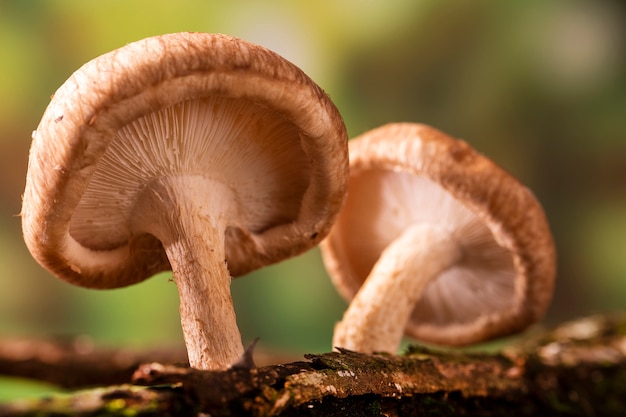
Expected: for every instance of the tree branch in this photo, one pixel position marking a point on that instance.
(76, 362)
(578, 369)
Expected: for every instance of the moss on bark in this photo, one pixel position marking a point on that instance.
(578, 369)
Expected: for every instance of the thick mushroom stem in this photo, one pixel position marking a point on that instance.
(378, 314)
(187, 214)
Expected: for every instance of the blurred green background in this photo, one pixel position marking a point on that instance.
(538, 86)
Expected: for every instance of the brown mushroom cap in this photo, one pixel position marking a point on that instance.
(201, 153)
(501, 277)
(281, 149)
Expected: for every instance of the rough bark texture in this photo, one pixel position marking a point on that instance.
(578, 369)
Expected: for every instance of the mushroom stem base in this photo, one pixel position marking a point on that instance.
(187, 214)
(378, 314)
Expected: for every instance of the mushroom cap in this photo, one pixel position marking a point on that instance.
(404, 173)
(293, 140)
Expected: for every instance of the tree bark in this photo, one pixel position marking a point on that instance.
(577, 369)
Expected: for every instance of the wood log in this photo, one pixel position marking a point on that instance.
(577, 369)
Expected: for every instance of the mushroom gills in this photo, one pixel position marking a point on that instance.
(480, 279)
(233, 141)
(377, 316)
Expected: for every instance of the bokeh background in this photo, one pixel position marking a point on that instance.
(539, 86)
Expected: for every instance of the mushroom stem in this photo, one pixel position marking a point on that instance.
(378, 314)
(186, 213)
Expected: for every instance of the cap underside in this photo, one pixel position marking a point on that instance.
(383, 203)
(246, 147)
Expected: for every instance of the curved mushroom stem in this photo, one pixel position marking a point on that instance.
(378, 314)
(186, 214)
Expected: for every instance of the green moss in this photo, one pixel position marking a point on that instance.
(116, 404)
